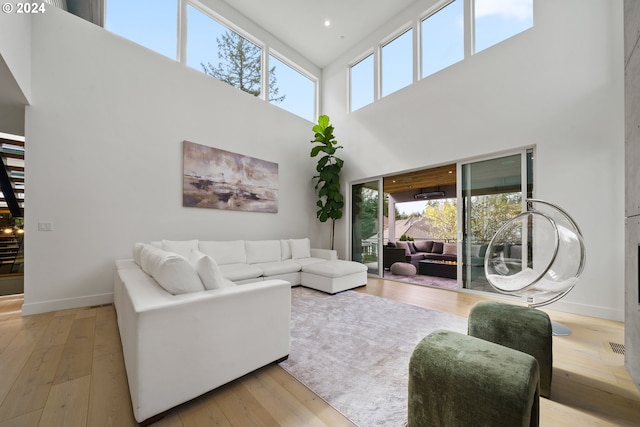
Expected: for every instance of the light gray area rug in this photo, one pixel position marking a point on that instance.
(353, 351)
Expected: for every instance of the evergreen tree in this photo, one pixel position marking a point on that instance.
(240, 65)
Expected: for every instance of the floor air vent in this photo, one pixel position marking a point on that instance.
(617, 348)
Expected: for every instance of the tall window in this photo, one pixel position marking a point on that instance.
(496, 21)
(291, 90)
(155, 28)
(397, 63)
(221, 53)
(442, 43)
(214, 49)
(362, 83)
(442, 38)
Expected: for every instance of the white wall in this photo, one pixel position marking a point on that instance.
(15, 70)
(104, 164)
(15, 40)
(557, 86)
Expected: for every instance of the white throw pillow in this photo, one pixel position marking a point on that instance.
(180, 247)
(450, 249)
(404, 245)
(171, 271)
(137, 249)
(475, 250)
(300, 248)
(285, 249)
(208, 271)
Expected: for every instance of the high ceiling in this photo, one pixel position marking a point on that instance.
(301, 23)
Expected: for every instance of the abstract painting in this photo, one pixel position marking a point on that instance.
(219, 179)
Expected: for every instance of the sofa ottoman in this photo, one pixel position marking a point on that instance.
(403, 269)
(458, 380)
(334, 276)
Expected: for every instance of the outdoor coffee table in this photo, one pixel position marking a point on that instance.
(438, 268)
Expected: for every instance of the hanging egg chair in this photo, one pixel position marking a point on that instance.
(537, 255)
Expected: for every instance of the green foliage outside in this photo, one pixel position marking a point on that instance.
(240, 66)
(488, 213)
(442, 216)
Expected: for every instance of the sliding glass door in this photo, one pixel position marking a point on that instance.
(365, 224)
(492, 192)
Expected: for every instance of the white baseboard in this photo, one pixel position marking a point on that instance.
(588, 310)
(568, 307)
(62, 304)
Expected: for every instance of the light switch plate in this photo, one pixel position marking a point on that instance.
(45, 226)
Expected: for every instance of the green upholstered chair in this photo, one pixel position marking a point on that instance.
(520, 328)
(458, 380)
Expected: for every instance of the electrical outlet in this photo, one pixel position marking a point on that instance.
(45, 226)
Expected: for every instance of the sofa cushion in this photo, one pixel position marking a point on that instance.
(208, 270)
(278, 267)
(171, 271)
(180, 247)
(285, 249)
(262, 251)
(334, 268)
(306, 261)
(137, 249)
(450, 249)
(300, 248)
(475, 250)
(405, 246)
(230, 252)
(437, 247)
(412, 248)
(423, 245)
(238, 272)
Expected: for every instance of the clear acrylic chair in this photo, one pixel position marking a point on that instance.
(537, 255)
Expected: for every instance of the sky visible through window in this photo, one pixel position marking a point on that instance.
(299, 90)
(202, 32)
(497, 20)
(443, 38)
(362, 83)
(153, 27)
(397, 63)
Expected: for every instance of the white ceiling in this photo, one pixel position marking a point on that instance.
(300, 23)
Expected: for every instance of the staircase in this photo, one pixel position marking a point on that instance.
(11, 253)
(11, 206)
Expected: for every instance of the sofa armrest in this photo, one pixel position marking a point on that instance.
(179, 347)
(393, 255)
(328, 254)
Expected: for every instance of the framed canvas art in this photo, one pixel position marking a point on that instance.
(219, 179)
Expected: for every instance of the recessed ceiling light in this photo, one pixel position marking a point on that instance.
(327, 23)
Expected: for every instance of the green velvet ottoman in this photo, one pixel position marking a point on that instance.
(521, 328)
(456, 380)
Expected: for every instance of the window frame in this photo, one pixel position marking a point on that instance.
(370, 52)
(282, 58)
(401, 31)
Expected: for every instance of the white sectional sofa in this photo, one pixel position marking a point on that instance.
(195, 315)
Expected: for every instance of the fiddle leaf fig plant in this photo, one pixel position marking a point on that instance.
(330, 200)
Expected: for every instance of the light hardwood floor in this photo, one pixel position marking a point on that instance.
(66, 369)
